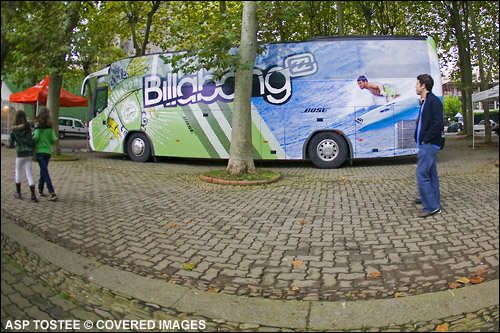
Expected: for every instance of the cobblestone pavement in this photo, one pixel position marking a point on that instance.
(329, 235)
(29, 299)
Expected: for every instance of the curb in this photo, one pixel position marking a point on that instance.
(239, 182)
(308, 315)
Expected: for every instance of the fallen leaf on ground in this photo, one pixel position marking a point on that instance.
(476, 280)
(375, 274)
(480, 272)
(348, 294)
(302, 222)
(297, 263)
(172, 224)
(295, 288)
(442, 328)
(213, 290)
(188, 266)
(463, 280)
(455, 285)
(121, 220)
(188, 221)
(164, 276)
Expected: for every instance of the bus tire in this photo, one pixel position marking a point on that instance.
(138, 147)
(327, 150)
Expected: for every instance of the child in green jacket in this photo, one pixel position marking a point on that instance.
(21, 136)
(44, 139)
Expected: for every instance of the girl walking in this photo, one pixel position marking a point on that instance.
(21, 136)
(44, 139)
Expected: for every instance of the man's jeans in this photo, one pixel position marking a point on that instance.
(427, 177)
(43, 162)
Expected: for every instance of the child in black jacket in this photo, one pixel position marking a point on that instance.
(21, 135)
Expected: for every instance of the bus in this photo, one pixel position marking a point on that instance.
(329, 100)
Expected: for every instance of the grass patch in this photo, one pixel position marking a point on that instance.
(64, 157)
(225, 175)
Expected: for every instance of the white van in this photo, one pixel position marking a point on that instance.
(71, 126)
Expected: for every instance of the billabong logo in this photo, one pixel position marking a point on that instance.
(273, 84)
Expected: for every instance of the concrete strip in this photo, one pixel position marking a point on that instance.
(241, 309)
(291, 314)
(400, 311)
(139, 287)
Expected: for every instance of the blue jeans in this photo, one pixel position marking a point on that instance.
(43, 162)
(427, 177)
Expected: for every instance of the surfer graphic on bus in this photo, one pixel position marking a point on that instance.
(384, 97)
(386, 90)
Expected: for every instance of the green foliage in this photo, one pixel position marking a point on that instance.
(206, 32)
(210, 30)
(451, 105)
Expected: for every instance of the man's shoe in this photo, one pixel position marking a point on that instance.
(417, 201)
(424, 213)
(52, 197)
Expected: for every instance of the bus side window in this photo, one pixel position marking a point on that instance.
(101, 100)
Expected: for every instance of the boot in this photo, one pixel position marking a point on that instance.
(17, 194)
(33, 196)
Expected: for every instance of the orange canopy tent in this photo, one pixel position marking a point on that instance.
(38, 95)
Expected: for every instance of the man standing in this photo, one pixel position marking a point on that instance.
(429, 138)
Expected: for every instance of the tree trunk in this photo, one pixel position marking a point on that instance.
(241, 151)
(53, 102)
(340, 17)
(59, 65)
(465, 69)
(156, 5)
(483, 83)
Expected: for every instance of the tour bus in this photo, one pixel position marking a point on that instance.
(330, 100)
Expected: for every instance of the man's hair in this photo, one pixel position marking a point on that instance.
(362, 78)
(426, 80)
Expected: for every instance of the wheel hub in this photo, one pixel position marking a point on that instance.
(138, 147)
(327, 150)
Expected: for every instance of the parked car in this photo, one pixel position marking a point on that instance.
(455, 127)
(480, 126)
(71, 126)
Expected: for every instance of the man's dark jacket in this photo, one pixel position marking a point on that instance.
(431, 127)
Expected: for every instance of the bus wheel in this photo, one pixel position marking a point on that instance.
(327, 150)
(138, 147)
